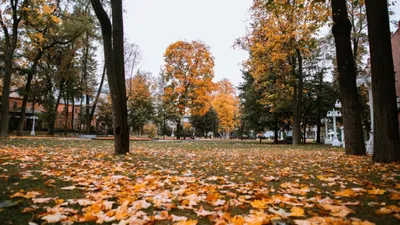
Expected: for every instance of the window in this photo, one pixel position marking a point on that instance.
(76, 110)
(15, 105)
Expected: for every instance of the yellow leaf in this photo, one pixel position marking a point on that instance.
(52, 218)
(187, 222)
(384, 211)
(346, 193)
(297, 212)
(376, 192)
(237, 220)
(259, 204)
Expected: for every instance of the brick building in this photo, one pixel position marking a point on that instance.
(15, 102)
(396, 62)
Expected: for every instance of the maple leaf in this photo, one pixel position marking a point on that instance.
(339, 211)
(52, 218)
(187, 222)
(237, 220)
(297, 212)
(259, 204)
(41, 200)
(29, 194)
(376, 192)
(346, 193)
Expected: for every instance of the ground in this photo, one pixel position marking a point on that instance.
(65, 181)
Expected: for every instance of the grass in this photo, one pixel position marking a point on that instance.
(237, 172)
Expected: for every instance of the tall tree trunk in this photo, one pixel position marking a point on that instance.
(178, 129)
(85, 78)
(298, 99)
(347, 80)
(27, 90)
(386, 131)
(73, 115)
(118, 97)
(66, 112)
(51, 129)
(98, 94)
(276, 129)
(5, 94)
(118, 47)
(319, 109)
(10, 44)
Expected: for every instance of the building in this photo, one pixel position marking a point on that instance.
(396, 63)
(15, 102)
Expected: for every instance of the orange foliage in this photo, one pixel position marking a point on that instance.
(189, 70)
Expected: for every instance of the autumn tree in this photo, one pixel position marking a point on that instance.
(188, 73)
(347, 79)
(10, 21)
(281, 36)
(113, 43)
(226, 104)
(140, 100)
(386, 133)
(45, 31)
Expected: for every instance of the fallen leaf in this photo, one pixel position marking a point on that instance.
(52, 218)
(8, 203)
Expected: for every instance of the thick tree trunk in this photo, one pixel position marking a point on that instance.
(347, 80)
(386, 131)
(5, 94)
(118, 51)
(118, 93)
(178, 129)
(298, 100)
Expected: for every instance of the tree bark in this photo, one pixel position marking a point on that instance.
(115, 75)
(276, 130)
(386, 130)
(51, 129)
(347, 80)
(10, 44)
(85, 77)
(298, 100)
(98, 94)
(27, 90)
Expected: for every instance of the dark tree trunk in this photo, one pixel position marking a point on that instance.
(51, 129)
(73, 115)
(66, 112)
(347, 80)
(98, 94)
(386, 130)
(305, 132)
(10, 44)
(5, 94)
(27, 90)
(85, 78)
(319, 109)
(298, 104)
(276, 130)
(115, 74)
(178, 130)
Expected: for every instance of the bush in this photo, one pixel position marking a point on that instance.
(150, 130)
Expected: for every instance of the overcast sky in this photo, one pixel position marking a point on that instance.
(154, 24)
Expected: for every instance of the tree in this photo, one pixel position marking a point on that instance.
(188, 73)
(209, 122)
(10, 24)
(386, 133)
(281, 36)
(347, 79)
(226, 104)
(113, 43)
(140, 101)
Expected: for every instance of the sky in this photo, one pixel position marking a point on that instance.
(155, 24)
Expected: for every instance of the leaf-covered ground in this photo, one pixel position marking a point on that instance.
(68, 181)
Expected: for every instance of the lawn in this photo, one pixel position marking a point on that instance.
(66, 181)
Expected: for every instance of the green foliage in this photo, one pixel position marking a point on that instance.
(209, 122)
(150, 130)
